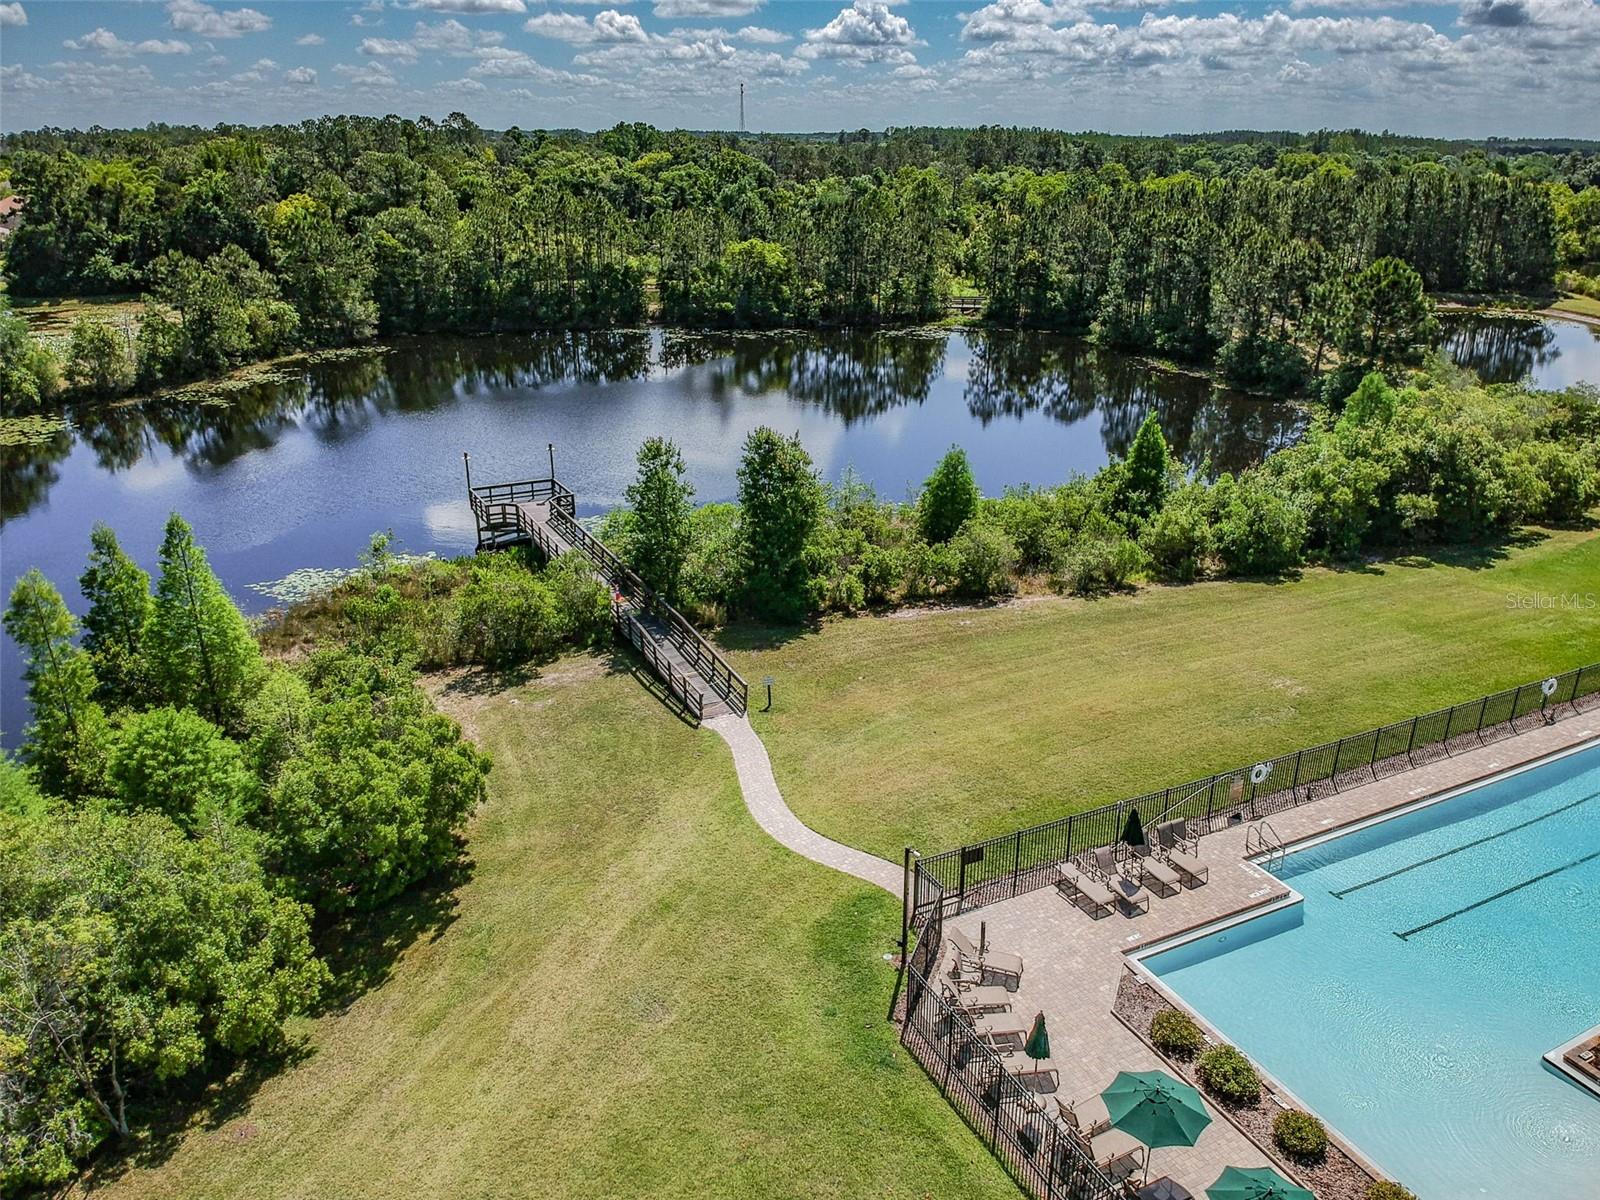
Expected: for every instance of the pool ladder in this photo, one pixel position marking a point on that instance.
(1262, 840)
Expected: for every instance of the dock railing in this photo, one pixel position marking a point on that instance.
(1012, 863)
(502, 520)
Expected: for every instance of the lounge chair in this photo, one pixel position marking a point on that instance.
(1088, 1116)
(1084, 891)
(980, 999)
(1129, 895)
(997, 1027)
(1180, 852)
(1163, 877)
(1113, 1148)
(987, 961)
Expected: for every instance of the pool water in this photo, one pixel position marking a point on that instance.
(1425, 1050)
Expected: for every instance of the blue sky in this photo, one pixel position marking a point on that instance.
(1474, 68)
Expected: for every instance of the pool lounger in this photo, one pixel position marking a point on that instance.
(1129, 895)
(995, 961)
(1083, 892)
(1000, 1027)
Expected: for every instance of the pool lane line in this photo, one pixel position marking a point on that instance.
(1422, 862)
(1501, 895)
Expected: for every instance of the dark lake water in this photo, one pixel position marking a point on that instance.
(298, 473)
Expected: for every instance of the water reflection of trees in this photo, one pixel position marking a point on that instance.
(1498, 349)
(1067, 379)
(334, 400)
(850, 375)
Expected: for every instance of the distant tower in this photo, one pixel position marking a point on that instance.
(741, 106)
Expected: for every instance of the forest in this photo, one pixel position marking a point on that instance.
(1273, 260)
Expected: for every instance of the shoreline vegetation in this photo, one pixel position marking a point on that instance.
(1286, 269)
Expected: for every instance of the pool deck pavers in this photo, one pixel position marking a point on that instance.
(1073, 964)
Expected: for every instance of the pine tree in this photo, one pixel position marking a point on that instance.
(949, 497)
(780, 506)
(660, 499)
(66, 739)
(1145, 473)
(118, 592)
(200, 649)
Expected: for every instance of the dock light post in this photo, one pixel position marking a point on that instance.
(466, 461)
(551, 446)
(767, 680)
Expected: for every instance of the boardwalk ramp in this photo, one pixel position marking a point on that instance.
(542, 513)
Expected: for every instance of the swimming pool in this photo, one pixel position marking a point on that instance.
(1409, 998)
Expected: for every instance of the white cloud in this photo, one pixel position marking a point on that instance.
(13, 14)
(450, 36)
(374, 75)
(609, 26)
(497, 62)
(865, 32)
(677, 10)
(15, 79)
(388, 48)
(203, 20)
(105, 42)
(471, 6)
(301, 76)
(757, 35)
(310, 39)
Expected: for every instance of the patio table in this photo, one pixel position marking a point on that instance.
(1165, 1188)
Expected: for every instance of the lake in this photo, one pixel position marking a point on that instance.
(299, 470)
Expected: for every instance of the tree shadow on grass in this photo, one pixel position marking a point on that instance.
(1475, 556)
(165, 1118)
(362, 948)
(752, 636)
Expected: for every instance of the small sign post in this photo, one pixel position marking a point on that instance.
(767, 681)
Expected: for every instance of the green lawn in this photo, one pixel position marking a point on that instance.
(639, 994)
(944, 727)
(1571, 302)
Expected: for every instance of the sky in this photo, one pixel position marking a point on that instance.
(1475, 68)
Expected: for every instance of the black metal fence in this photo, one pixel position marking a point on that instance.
(1045, 1158)
(1021, 861)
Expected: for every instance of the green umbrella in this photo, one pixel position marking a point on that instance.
(1155, 1108)
(1038, 1043)
(1133, 831)
(1255, 1183)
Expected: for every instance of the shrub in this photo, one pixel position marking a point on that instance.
(1263, 365)
(1228, 1074)
(97, 358)
(1178, 539)
(1100, 559)
(1299, 1134)
(985, 559)
(1175, 1033)
(175, 761)
(505, 617)
(1387, 1189)
(1256, 531)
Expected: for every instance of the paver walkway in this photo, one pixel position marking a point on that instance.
(765, 802)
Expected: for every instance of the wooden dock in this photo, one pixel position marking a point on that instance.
(541, 513)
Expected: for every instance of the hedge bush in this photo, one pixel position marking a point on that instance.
(1387, 1189)
(1228, 1073)
(1175, 1033)
(1299, 1134)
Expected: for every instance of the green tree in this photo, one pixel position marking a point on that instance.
(176, 762)
(19, 795)
(661, 499)
(781, 503)
(324, 272)
(376, 796)
(759, 278)
(949, 497)
(1372, 403)
(29, 373)
(118, 592)
(65, 740)
(98, 362)
(1146, 473)
(1386, 318)
(130, 957)
(201, 651)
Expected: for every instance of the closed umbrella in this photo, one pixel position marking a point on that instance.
(1155, 1108)
(1037, 1046)
(1133, 829)
(1255, 1183)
